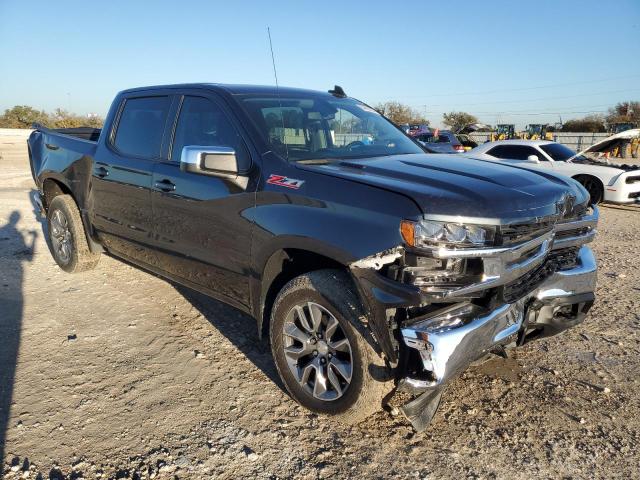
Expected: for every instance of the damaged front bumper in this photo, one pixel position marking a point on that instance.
(449, 340)
(560, 302)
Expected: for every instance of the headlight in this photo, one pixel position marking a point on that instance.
(427, 233)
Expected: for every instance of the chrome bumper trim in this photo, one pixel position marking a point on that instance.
(38, 206)
(585, 221)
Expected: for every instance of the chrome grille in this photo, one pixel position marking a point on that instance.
(517, 233)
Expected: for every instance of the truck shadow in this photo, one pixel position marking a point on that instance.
(15, 251)
(239, 328)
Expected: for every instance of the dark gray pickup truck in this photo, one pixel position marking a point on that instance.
(371, 265)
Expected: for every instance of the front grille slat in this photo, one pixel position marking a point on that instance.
(517, 233)
(557, 260)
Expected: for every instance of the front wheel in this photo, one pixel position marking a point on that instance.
(593, 186)
(324, 362)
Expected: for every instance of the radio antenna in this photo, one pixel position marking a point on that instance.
(275, 74)
(273, 58)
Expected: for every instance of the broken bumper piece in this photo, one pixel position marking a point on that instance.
(450, 339)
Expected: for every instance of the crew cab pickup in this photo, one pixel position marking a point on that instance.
(370, 265)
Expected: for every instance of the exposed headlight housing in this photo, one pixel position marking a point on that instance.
(429, 233)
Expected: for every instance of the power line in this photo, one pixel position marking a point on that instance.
(583, 109)
(523, 89)
(541, 113)
(524, 100)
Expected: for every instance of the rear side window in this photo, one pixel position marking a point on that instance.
(515, 152)
(141, 126)
(441, 138)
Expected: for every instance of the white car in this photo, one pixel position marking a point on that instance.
(604, 182)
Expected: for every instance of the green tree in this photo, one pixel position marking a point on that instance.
(590, 123)
(22, 116)
(456, 120)
(399, 113)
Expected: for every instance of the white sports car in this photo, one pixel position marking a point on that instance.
(604, 182)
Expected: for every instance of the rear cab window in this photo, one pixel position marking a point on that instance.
(140, 126)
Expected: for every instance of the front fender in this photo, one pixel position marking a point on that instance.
(339, 230)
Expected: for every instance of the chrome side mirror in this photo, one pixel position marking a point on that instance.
(209, 160)
(533, 159)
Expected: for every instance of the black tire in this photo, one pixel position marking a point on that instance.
(593, 186)
(67, 240)
(624, 149)
(370, 381)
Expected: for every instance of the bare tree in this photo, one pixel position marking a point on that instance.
(624, 112)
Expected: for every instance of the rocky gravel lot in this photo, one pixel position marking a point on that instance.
(116, 373)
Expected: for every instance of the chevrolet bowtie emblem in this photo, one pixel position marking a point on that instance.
(565, 205)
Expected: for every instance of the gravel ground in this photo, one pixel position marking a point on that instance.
(116, 373)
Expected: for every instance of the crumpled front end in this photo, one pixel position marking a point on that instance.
(452, 306)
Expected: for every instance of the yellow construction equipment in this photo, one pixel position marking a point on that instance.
(624, 148)
(504, 131)
(537, 131)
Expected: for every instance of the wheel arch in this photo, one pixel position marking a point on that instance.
(51, 188)
(283, 266)
(599, 181)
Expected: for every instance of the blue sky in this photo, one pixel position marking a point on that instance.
(503, 61)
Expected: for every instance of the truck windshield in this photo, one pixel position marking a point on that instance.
(323, 128)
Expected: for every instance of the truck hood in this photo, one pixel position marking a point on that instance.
(454, 185)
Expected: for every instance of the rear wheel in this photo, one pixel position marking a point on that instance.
(593, 186)
(67, 239)
(324, 362)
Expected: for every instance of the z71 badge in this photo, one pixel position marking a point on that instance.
(283, 181)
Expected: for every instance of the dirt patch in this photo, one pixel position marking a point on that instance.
(116, 373)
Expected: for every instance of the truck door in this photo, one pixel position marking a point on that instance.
(121, 179)
(202, 233)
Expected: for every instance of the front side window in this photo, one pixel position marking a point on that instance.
(319, 127)
(141, 126)
(202, 122)
(559, 152)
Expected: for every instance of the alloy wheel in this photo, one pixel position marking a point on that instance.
(61, 236)
(318, 351)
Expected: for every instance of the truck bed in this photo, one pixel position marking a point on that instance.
(85, 133)
(57, 149)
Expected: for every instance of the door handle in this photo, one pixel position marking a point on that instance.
(102, 172)
(165, 185)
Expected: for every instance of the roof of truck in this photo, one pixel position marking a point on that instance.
(234, 89)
